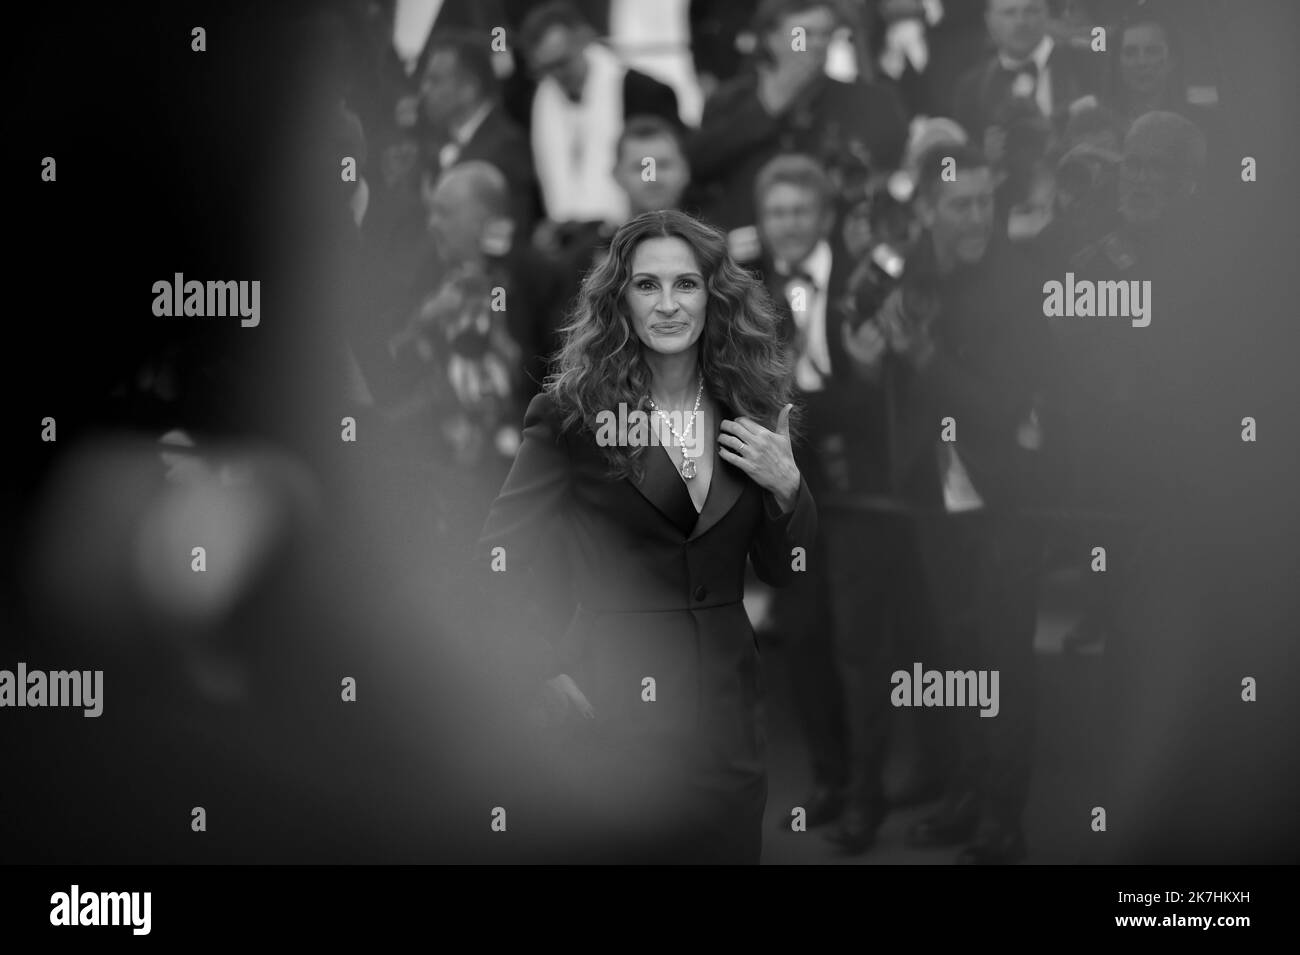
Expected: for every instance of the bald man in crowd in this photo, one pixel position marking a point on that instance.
(474, 237)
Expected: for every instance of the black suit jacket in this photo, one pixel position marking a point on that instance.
(658, 586)
(841, 269)
(983, 91)
(646, 96)
(499, 141)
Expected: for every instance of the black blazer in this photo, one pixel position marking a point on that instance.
(499, 141)
(841, 269)
(645, 96)
(658, 586)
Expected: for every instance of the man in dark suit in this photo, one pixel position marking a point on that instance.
(789, 104)
(970, 366)
(459, 100)
(1027, 64)
(805, 268)
(805, 272)
(460, 119)
(392, 88)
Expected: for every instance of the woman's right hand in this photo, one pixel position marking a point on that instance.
(562, 689)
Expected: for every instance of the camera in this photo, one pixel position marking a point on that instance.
(879, 274)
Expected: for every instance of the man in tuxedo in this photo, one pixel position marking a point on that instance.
(1027, 64)
(788, 104)
(971, 369)
(460, 120)
(805, 272)
(795, 199)
(459, 100)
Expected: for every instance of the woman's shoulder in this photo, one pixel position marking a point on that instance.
(543, 410)
(541, 404)
(545, 416)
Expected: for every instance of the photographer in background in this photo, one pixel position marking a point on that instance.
(962, 338)
(787, 104)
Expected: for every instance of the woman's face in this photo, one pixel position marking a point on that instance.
(666, 296)
(1144, 58)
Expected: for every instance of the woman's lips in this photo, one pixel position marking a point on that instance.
(667, 328)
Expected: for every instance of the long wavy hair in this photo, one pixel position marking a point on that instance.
(601, 363)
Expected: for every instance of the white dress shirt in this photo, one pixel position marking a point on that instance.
(813, 364)
(959, 492)
(574, 143)
(461, 135)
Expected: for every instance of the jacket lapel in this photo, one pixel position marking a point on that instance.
(663, 486)
(725, 487)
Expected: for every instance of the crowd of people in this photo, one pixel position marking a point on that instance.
(904, 215)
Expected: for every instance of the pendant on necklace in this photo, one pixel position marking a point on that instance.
(688, 468)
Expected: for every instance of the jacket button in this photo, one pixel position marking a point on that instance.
(701, 592)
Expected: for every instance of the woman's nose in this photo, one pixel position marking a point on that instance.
(666, 304)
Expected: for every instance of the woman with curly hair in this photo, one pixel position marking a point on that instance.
(655, 461)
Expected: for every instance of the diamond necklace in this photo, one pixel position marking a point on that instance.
(688, 462)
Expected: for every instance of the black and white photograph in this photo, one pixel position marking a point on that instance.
(619, 433)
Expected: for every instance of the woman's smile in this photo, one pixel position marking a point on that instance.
(669, 326)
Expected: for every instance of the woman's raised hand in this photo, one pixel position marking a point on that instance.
(766, 456)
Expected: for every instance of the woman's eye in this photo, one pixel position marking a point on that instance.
(687, 283)
(645, 285)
